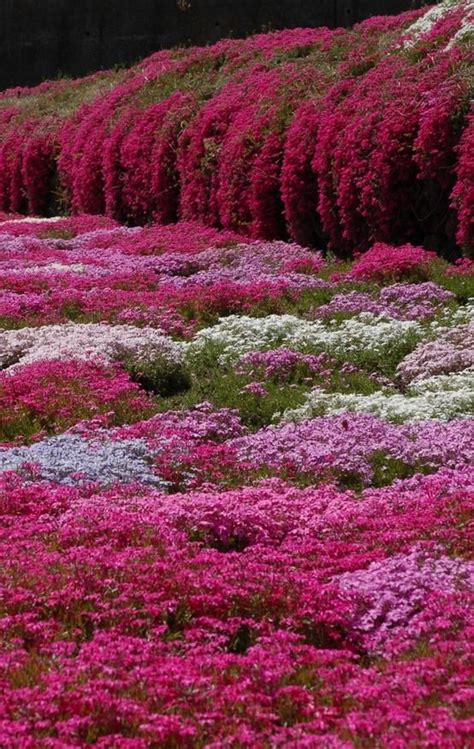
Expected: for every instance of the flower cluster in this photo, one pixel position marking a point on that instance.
(90, 342)
(280, 615)
(441, 397)
(236, 335)
(385, 263)
(282, 364)
(390, 593)
(355, 447)
(404, 301)
(451, 351)
(51, 395)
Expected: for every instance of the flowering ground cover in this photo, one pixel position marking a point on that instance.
(237, 396)
(346, 137)
(236, 489)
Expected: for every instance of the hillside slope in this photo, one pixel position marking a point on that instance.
(330, 138)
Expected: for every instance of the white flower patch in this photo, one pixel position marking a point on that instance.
(463, 315)
(444, 383)
(91, 342)
(236, 335)
(466, 30)
(373, 334)
(59, 267)
(34, 220)
(424, 24)
(444, 397)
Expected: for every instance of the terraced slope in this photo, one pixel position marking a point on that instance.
(331, 138)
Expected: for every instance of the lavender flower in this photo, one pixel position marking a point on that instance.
(390, 593)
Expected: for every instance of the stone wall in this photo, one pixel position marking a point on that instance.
(42, 39)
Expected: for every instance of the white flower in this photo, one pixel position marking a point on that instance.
(444, 397)
(91, 342)
(423, 25)
(34, 220)
(462, 315)
(236, 335)
(63, 267)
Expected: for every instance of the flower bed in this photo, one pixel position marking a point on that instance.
(235, 488)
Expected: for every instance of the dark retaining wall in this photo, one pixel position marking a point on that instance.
(42, 39)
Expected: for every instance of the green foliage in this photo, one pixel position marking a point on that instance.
(159, 376)
(209, 380)
(461, 286)
(53, 233)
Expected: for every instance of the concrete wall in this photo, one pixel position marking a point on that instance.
(41, 39)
